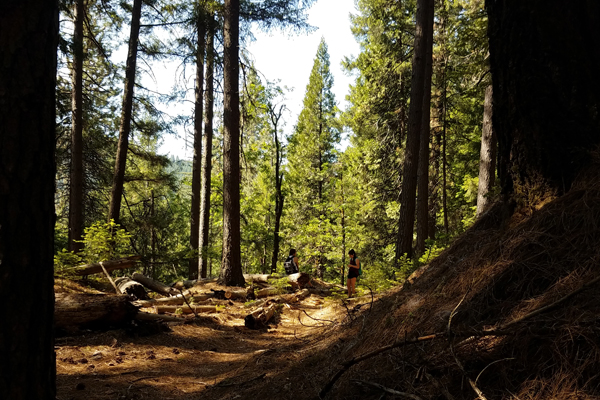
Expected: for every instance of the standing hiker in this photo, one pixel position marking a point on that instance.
(291, 263)
(353, 268)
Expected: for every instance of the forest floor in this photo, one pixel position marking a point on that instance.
(510, 311)
(209, 357)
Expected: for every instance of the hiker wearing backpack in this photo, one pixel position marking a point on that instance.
(353, 273)
(291, 263)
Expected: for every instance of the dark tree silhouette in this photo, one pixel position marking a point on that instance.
(413, 137)
(76, 184)
(28, 44)
(231, 265)
(545, 63)
(126, 111)
(207, 145)
(197, 162)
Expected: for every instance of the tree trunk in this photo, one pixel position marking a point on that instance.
(231, 265)
(487, 155)
(76, 183)
(126, 112)
(28, 44)
(415, 117)
(197, 162)
(207, 145)
(546, 93)
(278, 193)
(423, 165)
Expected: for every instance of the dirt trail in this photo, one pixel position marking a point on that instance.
(211, 358)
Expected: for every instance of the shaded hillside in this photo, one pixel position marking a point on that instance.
(496, 277)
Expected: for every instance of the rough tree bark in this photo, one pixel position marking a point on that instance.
(197, 162)
(415, 116)
(28, 44)
(546, 92)
(231, 264)
(423, 165)
(76, 179)
(487, 155)
(126, 111)
(275, 117)
(207, 145)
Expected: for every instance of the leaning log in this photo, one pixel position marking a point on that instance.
(73, 312)
(154, 285)
(96, 268)
(259, 318)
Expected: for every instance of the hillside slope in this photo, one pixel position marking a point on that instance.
(523, 300)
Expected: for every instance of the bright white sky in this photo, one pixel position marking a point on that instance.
(289, 59)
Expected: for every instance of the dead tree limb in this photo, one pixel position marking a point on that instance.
(96, 268)
(117, 290)
(554, 304)
(347, 364)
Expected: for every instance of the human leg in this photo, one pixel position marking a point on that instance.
(351, 284)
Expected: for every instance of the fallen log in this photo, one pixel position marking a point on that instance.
(185, 309)
(264, 278)
(299, 280)
(184, 284)
(131, 287)
(96, 268)
(154, 285)
(73, 312)
(236, 294)
(294, 297)
(259, 318)
(266, 292)
(144, 316)
(175, 300)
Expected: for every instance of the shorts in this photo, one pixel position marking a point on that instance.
(352, 273)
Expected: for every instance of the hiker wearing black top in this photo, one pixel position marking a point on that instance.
(353, 268)
(291, 263)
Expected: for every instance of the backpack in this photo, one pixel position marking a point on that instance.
(290, 267)
(353, 262)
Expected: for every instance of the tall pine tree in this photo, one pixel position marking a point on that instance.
(311, 156)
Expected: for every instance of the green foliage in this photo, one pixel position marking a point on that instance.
(310, 219)
(105, 241)
(406, 266)
(65, 259)
(334, 200)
